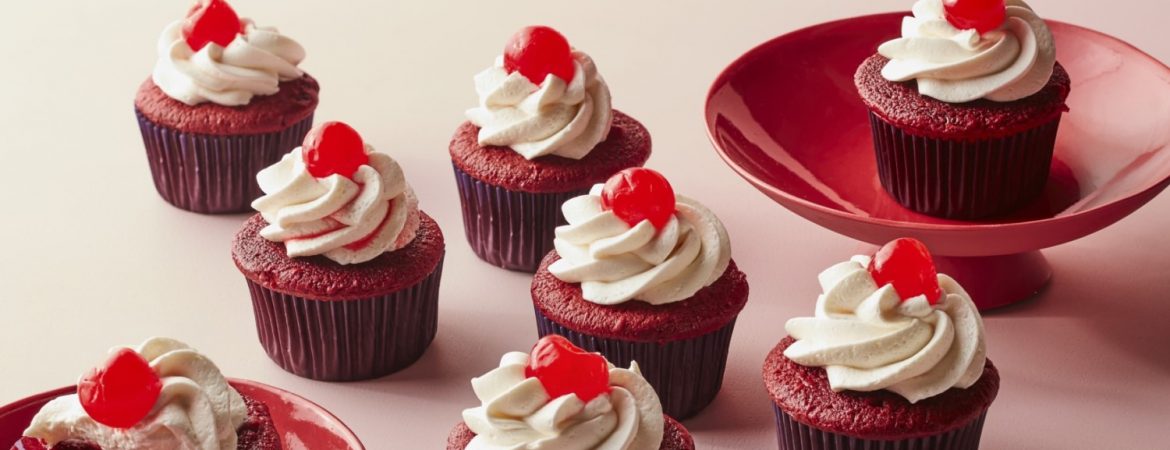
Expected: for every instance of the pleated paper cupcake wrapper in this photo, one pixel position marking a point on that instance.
(685, 373)
(211, 174)
(960, 179)
(348, 340)
(794, 435)
(510, 229)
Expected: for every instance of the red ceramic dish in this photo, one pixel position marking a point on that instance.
(301, 423)
(787, 117)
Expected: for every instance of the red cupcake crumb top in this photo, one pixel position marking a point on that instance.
(708, 310)
(295, 101)
(628, 145)
(804, 393)
(902, 105)
(317, 277)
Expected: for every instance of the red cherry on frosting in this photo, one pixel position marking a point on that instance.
(982, 15)
(211, 21)
(907, 265)
(564, 368)
(638, 194)
(538, 51)
(122, 392)
(334, 148)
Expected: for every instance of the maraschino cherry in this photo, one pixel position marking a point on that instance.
(982, 15)
(564, 368)
(907, 265)
(334, 148)
(538, 51)
(121, 392)
(638, 194)
(211, 21)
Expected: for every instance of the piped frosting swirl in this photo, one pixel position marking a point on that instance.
(868, 338)
(616, 262)
(349, 221)
(197, 409)
(1009, 63)
(517, 413)
(253, 64)
(554, 118)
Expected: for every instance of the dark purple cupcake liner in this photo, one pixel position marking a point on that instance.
(793, 435)
(685, 373)
(348, 340)
(963, 179)
(211, 174)
(510, 229)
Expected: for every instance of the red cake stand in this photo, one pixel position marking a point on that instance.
(786, 117)
(301, 423)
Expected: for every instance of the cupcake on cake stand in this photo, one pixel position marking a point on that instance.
(787, 117)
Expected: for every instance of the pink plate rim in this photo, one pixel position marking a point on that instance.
(340, 428)
(722, 80)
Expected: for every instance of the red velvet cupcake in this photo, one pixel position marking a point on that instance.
(894, 358)
(226, 99)
(544, 132)
(163, 394)
(565, 397)
(640, 274)
(343, 267)
(965, 108)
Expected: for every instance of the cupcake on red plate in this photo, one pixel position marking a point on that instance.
(964, 107)
(226, 99)
(544, 132)
(894, 358)
(562, 397)
(343, 267)
(161, 395)
(640, 274)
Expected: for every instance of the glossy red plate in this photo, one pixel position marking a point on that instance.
(786, 117)
(302, 424)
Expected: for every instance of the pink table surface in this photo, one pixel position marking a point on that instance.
(93, 258)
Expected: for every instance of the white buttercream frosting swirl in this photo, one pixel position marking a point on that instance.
(253, 64)
(554, 118)
(868, 338)
(616, 262)
(1009, 63)
(516, 413)
(347, 220)
(196, 410)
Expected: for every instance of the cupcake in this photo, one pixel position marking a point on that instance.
(544, 132)
(342, 266)
(894, 358)
(562, 397)
(160, 395)
(640, 274)
(964, 107)
(226, 99)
